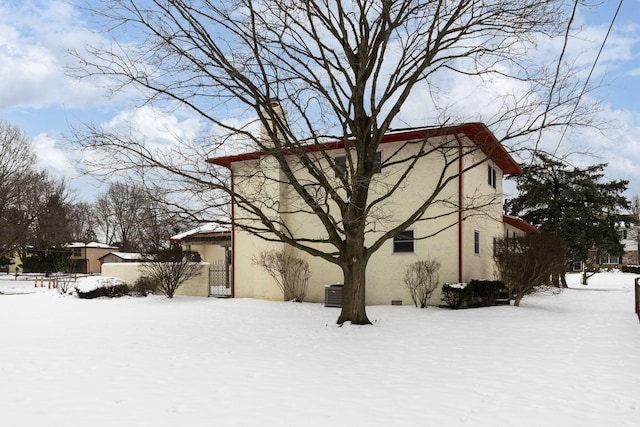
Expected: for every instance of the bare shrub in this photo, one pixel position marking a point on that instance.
(169, 269)
(144, 286)
(290, 273)
(64, 282)
(421, 277)
(527, 262)
(66, 275)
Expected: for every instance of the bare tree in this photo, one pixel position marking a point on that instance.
(120, 215)
(16, 170)
(169, 269)
(159, 223)
(290, 273)
(33, 205)
(344, 71)
(136, 218)
(82, 219)
(421, 277)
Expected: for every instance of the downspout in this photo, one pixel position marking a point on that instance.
(233, 239)
(460, 165)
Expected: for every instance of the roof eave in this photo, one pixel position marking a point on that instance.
(477, 132)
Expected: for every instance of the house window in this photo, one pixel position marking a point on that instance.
(492, 176)
(404, 243)
(609, 259)
(495, 246)
(77, 252)
(476, 242)
(340, 165)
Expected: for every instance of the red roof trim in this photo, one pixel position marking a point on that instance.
(476, 132)
(520, 224)
(201, 235)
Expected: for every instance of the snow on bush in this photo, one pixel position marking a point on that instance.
(100, 286)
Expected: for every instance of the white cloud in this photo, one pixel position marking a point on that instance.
(34, 43)
(148, 123)
(52, 158)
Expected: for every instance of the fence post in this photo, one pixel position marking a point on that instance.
(637, 295)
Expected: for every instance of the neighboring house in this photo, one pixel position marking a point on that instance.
(464, 250)
(629, 238)
(121, 257)
(87, 256)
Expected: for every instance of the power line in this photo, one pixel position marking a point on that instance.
(584, 88)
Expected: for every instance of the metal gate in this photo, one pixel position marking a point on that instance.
(220, 279)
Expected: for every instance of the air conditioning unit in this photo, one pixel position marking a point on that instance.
(333, 295)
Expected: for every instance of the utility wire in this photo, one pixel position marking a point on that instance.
(557, 74)
(584, 88)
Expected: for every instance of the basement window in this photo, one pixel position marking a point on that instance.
(404, 242)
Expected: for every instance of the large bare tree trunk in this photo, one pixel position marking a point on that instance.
(356, 255)
(353, 295)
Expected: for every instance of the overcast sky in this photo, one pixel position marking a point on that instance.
(36, 95)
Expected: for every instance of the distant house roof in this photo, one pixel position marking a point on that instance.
(520, 224)
(90, 245)
(127, 256)
(476, 132)
(204, 232)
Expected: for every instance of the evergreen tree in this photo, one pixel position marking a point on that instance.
(573, 203)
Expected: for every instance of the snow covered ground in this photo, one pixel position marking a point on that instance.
(571, 359)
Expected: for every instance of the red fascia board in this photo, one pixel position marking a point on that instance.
(476, 132)
(520, 224)
(203, 235)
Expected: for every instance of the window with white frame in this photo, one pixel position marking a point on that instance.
(476, 242)
(404, 242)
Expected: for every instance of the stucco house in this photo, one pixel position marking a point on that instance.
(463, 247)
(87, 255)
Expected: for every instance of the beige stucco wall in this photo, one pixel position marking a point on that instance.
(209, 252)
(129, 272)
(385, 269)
